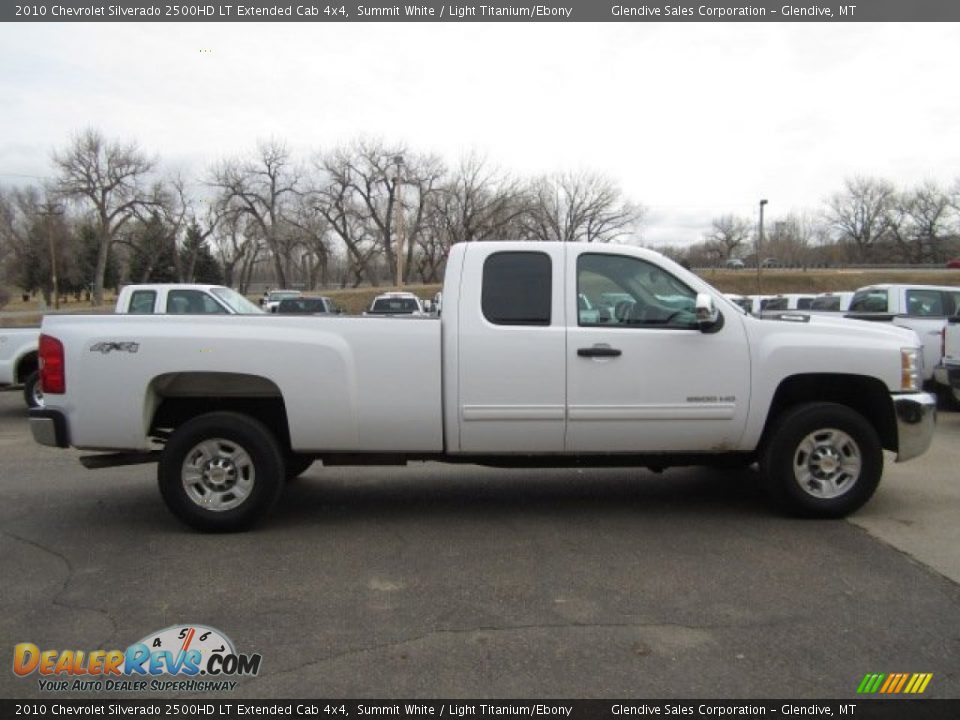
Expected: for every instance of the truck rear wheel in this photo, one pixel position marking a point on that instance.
(821, 460)
(32, 391)
(221, 472)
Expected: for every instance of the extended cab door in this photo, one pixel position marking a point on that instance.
(511, 349)
(641, 376)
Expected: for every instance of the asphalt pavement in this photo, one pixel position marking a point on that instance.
(458, 581)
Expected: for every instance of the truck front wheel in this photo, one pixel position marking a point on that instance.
(821, 460)
(221, 472)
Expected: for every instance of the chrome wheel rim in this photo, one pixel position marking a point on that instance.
(827, 463)
(37, 394)
(217, 475)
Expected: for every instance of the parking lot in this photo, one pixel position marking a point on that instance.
(439, 581)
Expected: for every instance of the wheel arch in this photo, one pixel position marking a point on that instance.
(866, 395)
(174, 398)
(26, 365)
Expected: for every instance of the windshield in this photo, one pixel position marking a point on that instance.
(236, 302)
(282, 295)
(395, 305)
(869, 300)
(831, 303)
(302, 305)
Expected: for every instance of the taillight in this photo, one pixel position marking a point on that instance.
(53, 371)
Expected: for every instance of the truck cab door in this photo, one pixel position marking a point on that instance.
(512, 349)
(641, 375)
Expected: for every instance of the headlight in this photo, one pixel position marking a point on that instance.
(911, 369)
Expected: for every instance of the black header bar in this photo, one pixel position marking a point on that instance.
(337, 709)
(334, 11)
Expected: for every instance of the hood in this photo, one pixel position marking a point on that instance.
(842, 326)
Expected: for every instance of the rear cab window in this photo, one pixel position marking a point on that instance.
(517, 288)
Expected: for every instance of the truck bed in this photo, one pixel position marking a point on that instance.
(380, 379)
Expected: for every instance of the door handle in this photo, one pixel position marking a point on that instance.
(599, 351)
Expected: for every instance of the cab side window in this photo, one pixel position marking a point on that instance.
(192, 302)
(621, 291)
(925, 303)
(142, 302)
(517, 288)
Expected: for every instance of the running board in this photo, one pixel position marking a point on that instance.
(96, 462)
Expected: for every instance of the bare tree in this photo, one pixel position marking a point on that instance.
(578, 207)
(262, 188)
(422, 181)
(728, 233)
(374, 176)
(861, 212)
(479, 202)
(333, 197)
(236, 247)
(920, 220)
(107, 175)
(316, 233)
(790, 239)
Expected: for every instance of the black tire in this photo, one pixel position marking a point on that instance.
(257, 474)
(297, 465)
(32, 392)
(808, 460)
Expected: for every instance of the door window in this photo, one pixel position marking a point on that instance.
(622, 291)
(192, 302)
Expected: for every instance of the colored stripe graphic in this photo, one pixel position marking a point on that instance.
(894, 683)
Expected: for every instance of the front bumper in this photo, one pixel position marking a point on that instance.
(916, 421)
(49, 427)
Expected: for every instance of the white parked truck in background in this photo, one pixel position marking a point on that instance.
(18, 346)
(18, 362)
(513, 373)
(947, 373)
(922, 308)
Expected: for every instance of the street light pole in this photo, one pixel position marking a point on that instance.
(50, 210)
(398, 199)
(759, 245)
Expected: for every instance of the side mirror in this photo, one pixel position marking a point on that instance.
(707, 312)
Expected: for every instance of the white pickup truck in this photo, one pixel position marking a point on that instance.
(947, 373)
(18, 346)
(512, 374)
(921, 308)
(18, 362)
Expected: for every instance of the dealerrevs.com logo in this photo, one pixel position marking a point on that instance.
(191, 658)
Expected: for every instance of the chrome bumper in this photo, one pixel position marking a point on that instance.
(916, 422)
(49, 427)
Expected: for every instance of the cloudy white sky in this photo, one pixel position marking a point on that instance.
(693, 120)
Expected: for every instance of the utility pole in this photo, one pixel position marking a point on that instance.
(759, 245)
(49, 211)
(398, 219)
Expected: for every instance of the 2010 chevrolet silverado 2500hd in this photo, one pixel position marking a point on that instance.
(513, 373)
